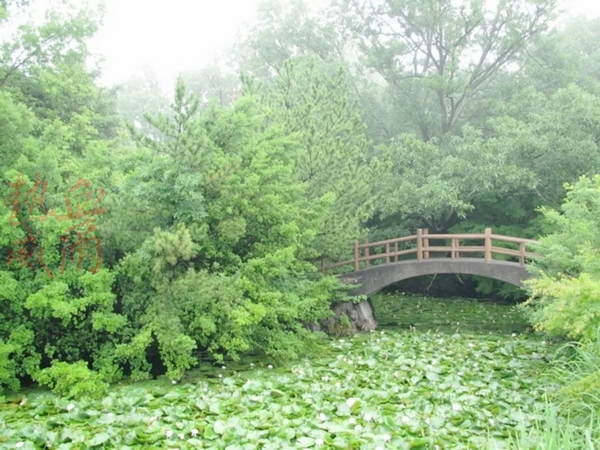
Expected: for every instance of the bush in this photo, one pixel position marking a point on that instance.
(564, 289)
(73, 380)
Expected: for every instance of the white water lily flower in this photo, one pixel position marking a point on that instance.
(368, 417)
(460, 374)
(322, 417)
(456, 406)
(325, 379)
(338, 385)
(223, 367)
(352, 421)
(194, 432)
(471, 345)
(220, 376)
(358, 428)
(514, 335)
(405, 419)
(173, 381)
(386, 437)
(70, 406)
(351, 402)
(169, 434)
(19, 444)
(319, 442)
(251, 364)
(270, 366)
(181, 436)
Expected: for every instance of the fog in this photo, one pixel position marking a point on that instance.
(182, 35)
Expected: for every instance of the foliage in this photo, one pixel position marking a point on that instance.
(332, 156)
(564, 287)
(225, 272)
(432, 184)
(73, 380)
(30, 46)
(440, 58)
(571, 415)
(554, 432)
(287, 30)
(470, 395)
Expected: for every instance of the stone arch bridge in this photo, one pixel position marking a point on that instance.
(375, 265)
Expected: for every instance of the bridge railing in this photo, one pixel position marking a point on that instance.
(455, 246)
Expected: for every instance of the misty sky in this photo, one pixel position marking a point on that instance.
(179, 35)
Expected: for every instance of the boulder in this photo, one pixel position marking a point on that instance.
(348, 318)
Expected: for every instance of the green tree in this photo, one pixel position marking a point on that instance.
(141, 96)
(440, 58)
(213, 84)
(287, 29)
(62, 34)
(332, 155)
(227, 260)
(564, 287)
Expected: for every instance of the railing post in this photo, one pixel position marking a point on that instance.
(425, 244)
(488, 245)
(387, 253)
(454, 248)
(356, 256)
(322, 264)
(396, 251)
(522, 253)
(367, 254)
(419, 244)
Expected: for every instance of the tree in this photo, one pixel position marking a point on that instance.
(439, 57)
(227, 260)
(213, 84)
(139, 97)
(286, 29)
(63, 33)
(565, 56)
(564, 285)
(435, 184)
(332, 156)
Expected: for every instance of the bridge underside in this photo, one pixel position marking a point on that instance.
(376, 278)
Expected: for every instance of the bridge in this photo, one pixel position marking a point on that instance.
(375, 265)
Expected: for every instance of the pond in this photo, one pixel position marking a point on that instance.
(438, 374)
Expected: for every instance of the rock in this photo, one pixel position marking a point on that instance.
(348, 318)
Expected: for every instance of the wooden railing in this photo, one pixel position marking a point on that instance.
(391, 250)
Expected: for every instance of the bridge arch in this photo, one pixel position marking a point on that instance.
(375, 278)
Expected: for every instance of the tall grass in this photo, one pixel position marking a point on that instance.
(571, 417)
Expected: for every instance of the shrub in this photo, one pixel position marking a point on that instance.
(74, 380)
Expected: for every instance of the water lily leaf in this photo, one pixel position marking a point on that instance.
(305, 442)
(419, 443)
(277, 393)
(99, 439)
(219, 427)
